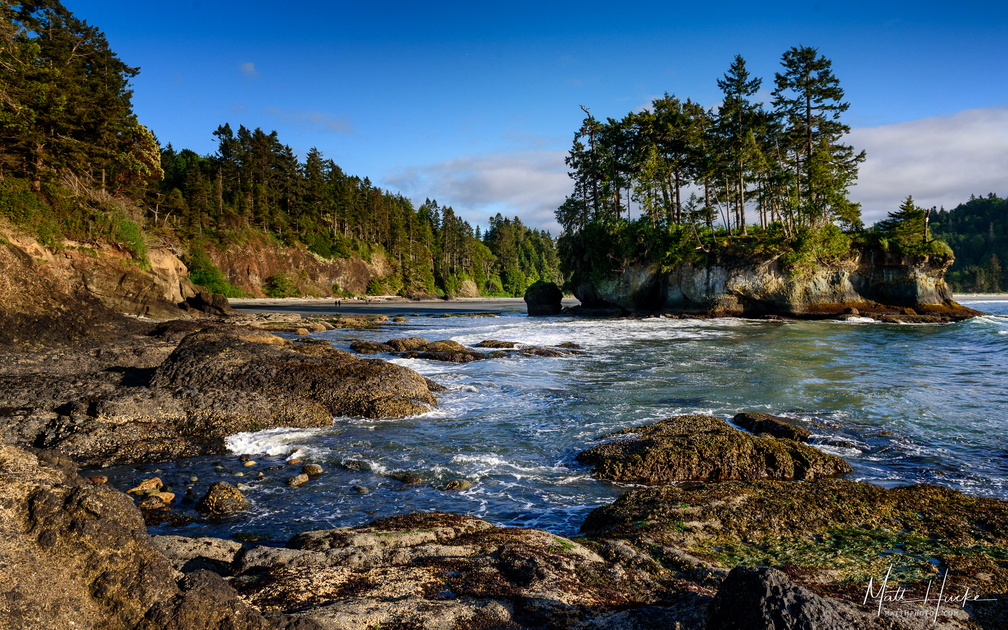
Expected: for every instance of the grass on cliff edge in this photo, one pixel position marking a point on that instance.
(58, 215)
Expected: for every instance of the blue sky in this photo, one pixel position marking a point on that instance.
(475, 104)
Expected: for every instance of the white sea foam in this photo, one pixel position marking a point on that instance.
(274, 442)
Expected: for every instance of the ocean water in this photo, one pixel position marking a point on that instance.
(902, 403)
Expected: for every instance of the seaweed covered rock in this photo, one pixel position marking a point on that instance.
(222, 498)
(705, 448)
(543, 298)
(831, 535)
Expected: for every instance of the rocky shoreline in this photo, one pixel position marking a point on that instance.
(724, 527)
(724, 535)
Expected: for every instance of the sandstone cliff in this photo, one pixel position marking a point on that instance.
(869, 281)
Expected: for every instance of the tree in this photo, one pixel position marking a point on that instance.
(808, 102)
(737, 123)
(907, 225)
(67, 98)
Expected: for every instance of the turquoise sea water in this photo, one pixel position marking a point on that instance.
(902, 403)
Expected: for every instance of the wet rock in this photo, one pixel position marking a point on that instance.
(407, 477)
(370, 347)
(358, 465)
(286, 387)
(543, 298)
(312, 470)
(222, 498)
(449, 351)
(458, 485)
(297, 480)
(154, 502)
(705, 448)
(407, 344)
(146, 486)
(494, 343)
(776, 426)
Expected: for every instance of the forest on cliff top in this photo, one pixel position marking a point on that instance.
(77, 165)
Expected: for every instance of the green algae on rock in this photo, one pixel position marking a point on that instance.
(705, 448)
(833, 534)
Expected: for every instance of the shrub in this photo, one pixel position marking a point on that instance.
(280, 286)
(203, 272)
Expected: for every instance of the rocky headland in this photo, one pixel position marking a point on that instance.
(870, 282)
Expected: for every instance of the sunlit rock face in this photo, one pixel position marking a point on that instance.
(871, 280)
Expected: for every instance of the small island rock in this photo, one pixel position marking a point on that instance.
(543, 298)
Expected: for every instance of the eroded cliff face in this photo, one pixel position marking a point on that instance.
(867, 280)
(250, 266)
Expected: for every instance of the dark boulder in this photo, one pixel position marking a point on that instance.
(364, 346)
(776, 426)
(543, 298)
(705, 448)
(762, 597)
(408, 344)
(281, 382)
(213, 304)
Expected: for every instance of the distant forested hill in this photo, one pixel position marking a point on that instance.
(977, 231)
(77, 165)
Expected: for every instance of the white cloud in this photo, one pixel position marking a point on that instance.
(939, 161)
(248, 69)
(528, 184)
(318, 120)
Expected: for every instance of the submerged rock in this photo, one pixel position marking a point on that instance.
(705, 448)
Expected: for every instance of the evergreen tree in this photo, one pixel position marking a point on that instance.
(737, 123)
(808, 102)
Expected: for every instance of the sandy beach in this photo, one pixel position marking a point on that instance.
(382, 305)
(980, 297)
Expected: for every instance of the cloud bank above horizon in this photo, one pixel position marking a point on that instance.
(940, 161)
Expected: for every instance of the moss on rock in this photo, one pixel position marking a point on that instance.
(705, 448)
